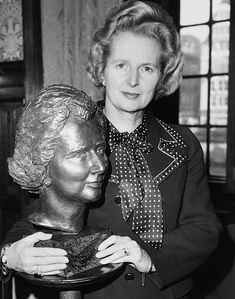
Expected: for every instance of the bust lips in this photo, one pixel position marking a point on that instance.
(95, 184)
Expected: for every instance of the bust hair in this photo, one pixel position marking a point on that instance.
(146, 19)
(37, 133)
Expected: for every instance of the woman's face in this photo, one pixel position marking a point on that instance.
(78, 167)
(132, 72)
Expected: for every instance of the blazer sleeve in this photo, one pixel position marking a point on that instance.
(198, 228)
(19, 230)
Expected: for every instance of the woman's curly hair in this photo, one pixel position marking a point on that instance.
(38, 131)
(143, 18)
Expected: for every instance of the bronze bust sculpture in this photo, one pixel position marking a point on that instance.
(60, 154)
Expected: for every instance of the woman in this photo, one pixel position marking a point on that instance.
(157, 170)
(157, 198)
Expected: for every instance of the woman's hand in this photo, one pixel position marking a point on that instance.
(22, 256)
(117, 249)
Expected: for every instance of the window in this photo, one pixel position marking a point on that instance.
(203, 103)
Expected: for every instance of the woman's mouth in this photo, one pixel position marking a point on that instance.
(130, 95)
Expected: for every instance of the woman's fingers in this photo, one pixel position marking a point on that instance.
(111, 258)
(113, 240)
(46, 269)
(48, 260)
(44, 251)
(117, 249)
(114, 248)
(53, 272)
(108, 251)
(29, 242)
(32, 239)
(108, 242)
(41, 265)
(24, 257)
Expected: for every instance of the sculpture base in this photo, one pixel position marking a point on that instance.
(81, 248)
(83, 269)
(95, 275)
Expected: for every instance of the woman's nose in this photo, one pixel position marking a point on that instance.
(133, 79)
(98, 163)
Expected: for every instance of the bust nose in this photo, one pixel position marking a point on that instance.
(98, 163)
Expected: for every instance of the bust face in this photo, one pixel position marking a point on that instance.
(78, 167)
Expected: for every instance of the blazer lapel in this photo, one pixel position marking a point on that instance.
(170, 152)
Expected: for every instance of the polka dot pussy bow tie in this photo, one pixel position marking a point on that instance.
(139, 192)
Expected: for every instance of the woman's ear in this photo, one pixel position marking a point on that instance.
(103, 80)
(47, 182)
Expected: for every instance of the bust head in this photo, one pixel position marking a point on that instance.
(60, 154)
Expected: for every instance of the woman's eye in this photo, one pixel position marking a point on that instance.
(148, 69)
(121, 66)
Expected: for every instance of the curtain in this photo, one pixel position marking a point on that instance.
(68, 27)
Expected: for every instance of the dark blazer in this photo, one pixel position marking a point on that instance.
(191, 228)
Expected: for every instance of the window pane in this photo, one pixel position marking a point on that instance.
(220, 47)
(218, 149)
(195, 46)
(194, 12)
(200, 133)
(219, 100)
(221, 9)
(193, 101)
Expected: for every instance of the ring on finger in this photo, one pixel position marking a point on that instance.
(38, 272)
(126, 251)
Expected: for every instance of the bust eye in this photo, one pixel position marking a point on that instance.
(81, 155)
(101, 150)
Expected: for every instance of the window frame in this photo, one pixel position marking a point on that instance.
(226, 185)
(230, 181)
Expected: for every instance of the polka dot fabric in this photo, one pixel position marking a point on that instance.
(138, 190)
